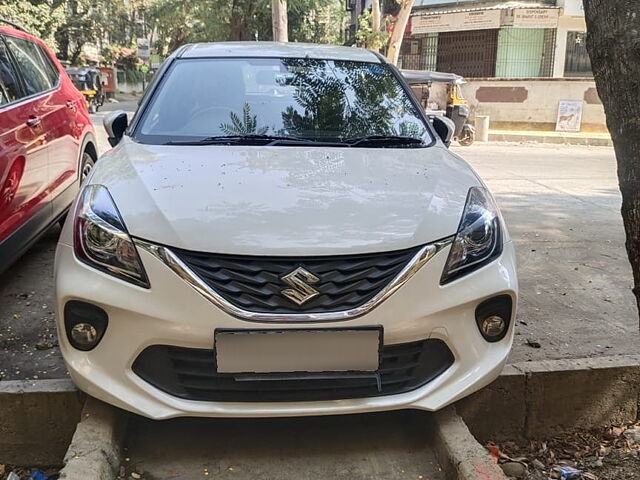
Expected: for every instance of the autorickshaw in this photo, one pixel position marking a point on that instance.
(441, 94)
(88, 81)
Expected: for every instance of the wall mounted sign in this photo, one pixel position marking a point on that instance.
(569, 115)
(455, 22)
(535, 17)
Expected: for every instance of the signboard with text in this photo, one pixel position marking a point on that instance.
(535, 17)
(458, 21)
(143, 48)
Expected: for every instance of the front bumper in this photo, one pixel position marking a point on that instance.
(172, 313)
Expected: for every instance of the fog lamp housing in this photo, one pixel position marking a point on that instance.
(493, 317)
(85, 324)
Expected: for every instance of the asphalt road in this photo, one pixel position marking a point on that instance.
(562, 207)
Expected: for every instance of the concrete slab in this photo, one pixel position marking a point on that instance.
(534, 398)
(37, 421)
(386, 446)
(95, 450)
(462, 455)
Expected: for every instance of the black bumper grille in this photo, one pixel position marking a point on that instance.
(190, 374)
(255, 283)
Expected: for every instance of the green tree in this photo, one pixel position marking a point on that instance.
(39, 17)
(247, 125)
(378, 33)
(317, 21)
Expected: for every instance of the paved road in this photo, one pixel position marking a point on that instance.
(562, 207)
(392, 446)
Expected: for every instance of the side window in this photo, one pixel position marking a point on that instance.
(9, 86)
(31, 65)
(52, 71)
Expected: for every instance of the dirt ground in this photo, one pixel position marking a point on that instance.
(561, 205)
(28, 339)
(611, 453)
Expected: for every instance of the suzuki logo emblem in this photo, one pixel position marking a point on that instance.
(301, 291)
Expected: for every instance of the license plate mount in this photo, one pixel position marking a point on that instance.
(307, 351)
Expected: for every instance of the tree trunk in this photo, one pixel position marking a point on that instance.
(395, 42)
(240, 23)
(613, 43)
(375, 15)
(279, 20)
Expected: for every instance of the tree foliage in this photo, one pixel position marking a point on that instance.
(113, 26)
(40, 17)
(384, 33)
(247, 125)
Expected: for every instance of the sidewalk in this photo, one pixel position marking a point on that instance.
(565, 138)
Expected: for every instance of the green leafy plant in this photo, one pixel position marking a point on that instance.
(247, 125)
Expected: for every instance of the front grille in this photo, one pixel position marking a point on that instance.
(255, 283)
(190, 374)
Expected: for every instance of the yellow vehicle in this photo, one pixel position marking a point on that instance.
(88, 81)
(440, 94)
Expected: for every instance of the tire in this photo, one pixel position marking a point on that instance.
(86, 165)
(467, 138)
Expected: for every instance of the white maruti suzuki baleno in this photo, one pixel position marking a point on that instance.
(281, 230)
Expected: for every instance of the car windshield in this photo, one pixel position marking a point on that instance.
(285, 98)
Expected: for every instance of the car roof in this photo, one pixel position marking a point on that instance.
(10, 29)
(277, 50)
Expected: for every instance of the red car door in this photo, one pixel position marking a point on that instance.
(23, 157)
(57, 112)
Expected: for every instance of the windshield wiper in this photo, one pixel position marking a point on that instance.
(384, 140)
(252, 139)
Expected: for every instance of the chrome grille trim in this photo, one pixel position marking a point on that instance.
(166, 256)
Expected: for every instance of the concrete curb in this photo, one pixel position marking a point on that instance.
(531, 399)
(459, 452)
(551, 139)
(95, 450)
(37, 420)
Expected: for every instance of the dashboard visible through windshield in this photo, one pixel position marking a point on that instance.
(271, 100)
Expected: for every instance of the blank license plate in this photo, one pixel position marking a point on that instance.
(286, 351)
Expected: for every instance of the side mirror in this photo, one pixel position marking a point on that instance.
(115, 124)
(444, 127)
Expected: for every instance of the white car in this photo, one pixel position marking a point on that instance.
(281, 231)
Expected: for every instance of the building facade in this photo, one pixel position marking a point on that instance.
(494, 39)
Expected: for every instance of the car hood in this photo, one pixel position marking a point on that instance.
(286, 200)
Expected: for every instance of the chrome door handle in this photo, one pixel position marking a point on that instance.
(33, 122)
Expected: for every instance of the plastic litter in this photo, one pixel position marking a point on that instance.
(13, 476)
(563, 472)
(38, 475)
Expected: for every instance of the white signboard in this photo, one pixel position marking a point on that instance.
(574, 8)
(535, 17)
(143, 48)
(569, 115)
(454, 22)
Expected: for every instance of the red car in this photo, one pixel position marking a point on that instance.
(47, 142)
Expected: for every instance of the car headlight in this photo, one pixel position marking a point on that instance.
(479, 237)
(101, 239)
